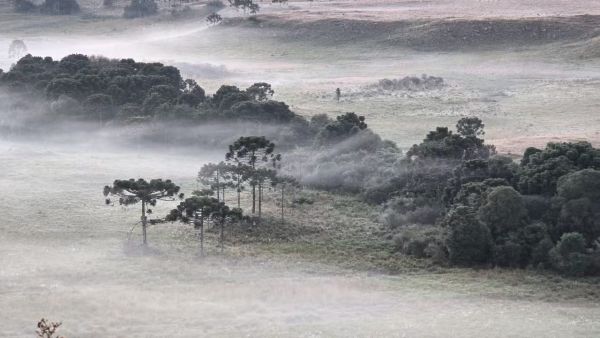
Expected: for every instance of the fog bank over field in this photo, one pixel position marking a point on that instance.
(78, 266)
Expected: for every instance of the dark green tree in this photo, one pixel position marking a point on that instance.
(503, 211)
(469, 240)
(195, 210)
(260, 91)
(470, 127)
(222, 214)
(254, 152)
(285, 183)
(541, 170)
(147, 192)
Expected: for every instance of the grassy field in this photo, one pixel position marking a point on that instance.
(328, 271)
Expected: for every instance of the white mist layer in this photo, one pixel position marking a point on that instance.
(66, 256)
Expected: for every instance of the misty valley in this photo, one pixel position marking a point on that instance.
(341, 168)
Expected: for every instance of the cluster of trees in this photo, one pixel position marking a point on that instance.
(78, 87)
(542, 212)
(102, 89)
(250, 161)
(53, 7)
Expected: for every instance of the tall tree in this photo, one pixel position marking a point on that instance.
(260, 91)
(254, 152)
(238, 174)
(262, 178)
(217, 177)
(285, 183)
(147, 192)
(223, 214)
(195, 210)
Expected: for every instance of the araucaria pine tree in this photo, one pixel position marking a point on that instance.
(147, 192)
(255, 152)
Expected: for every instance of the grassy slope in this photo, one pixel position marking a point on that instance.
(343, 231)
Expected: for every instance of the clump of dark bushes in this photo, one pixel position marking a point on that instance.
(541, 213)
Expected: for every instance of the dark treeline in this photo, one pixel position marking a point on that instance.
(121, 92)
(453, 199)
(97, 88)
(105, 89)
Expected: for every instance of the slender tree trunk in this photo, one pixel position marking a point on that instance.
(202, 240)
(238, 192)
(222, 234)
(282, 220)
(259, 201)
(218, 188)
(200, 224)
(253, 198)
(144, 221)
(223, 194)
(293, 199)
(253, 184)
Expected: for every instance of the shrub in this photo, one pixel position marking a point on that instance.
(580, 184)
(540, 254)
(503, 211)
(508, 254)
(469, 240)
(537, 206)
(569, 255)
(579, 215)
(404, 211)
(542, 169)
(418, 241)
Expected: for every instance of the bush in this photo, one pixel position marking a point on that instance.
(503, 211)
(569, 256)
(404, 211)
(508, 254)
(537, 206)
(540, 255)
(140, 8)
(419, 241)
(541, 170)
(468, 241)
